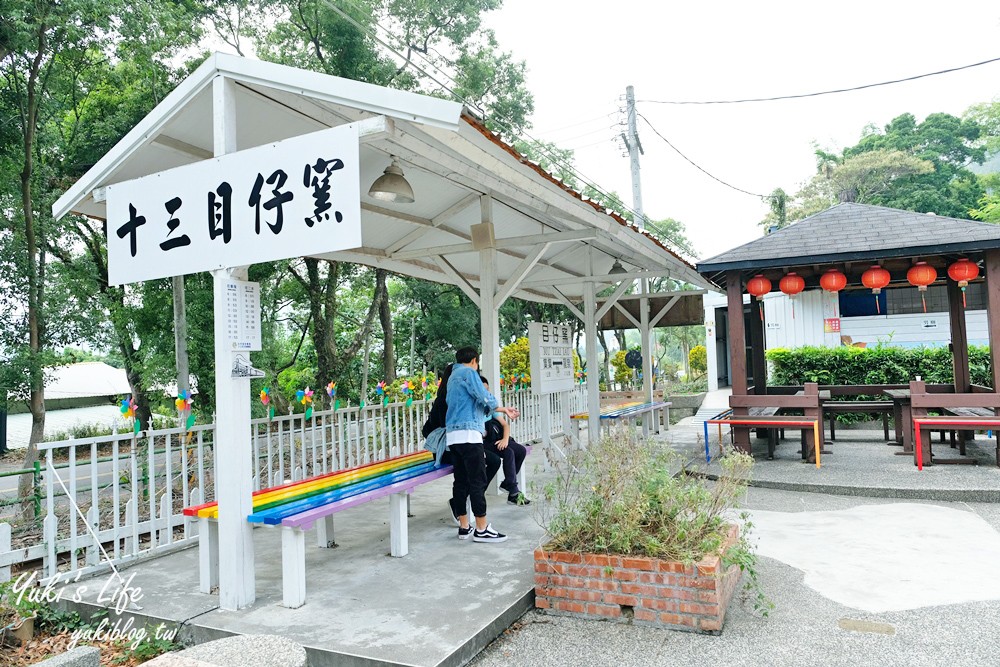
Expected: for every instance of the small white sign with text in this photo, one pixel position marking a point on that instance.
(550, 347)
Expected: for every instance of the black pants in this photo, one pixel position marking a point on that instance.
(493, 463)
(512, 456)
(471, 478)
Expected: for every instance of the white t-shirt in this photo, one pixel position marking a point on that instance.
(462, 437)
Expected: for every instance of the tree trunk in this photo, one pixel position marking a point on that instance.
(607, 361)
(35, 285)
(385, 317)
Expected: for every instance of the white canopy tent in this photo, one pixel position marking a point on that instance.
(485, 218)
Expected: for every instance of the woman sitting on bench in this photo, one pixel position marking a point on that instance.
(500, 442)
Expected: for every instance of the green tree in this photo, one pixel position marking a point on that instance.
(698, 360)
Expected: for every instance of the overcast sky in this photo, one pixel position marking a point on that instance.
(582, 55)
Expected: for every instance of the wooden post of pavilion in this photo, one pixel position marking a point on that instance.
(757, 345)
(737, 351)
(959, 338)
(993, 312)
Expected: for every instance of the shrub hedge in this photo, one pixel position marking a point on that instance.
(881, 364)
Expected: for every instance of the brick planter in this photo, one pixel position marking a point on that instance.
(645, 591)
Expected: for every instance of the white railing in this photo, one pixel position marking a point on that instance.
(118, 498)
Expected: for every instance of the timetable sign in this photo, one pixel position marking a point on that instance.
(551, 350)
(243, 315)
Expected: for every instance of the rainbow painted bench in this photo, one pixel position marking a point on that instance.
(629, 411)
(299, 506)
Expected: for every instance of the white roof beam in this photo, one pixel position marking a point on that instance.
(564, 300)
(519, 273)
(663, 311)
(183, 147)
(459, 279)
(501, 244)
(595, 279)
(628, 315)
(622, 286)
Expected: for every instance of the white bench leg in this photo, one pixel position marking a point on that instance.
(522, 478)
(666, 418)
(208, 554)
(293, 567)
(398, 536)
(324, 533)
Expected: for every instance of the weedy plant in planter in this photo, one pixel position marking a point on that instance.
(632, 537)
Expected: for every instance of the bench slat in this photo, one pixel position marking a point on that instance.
(305, 520)
(625, 410)
(274, 515)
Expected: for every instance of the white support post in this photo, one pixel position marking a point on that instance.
(647, 366)
(208, 554)
(232, 408)
(593, 367)
(399, 539)
(293, 567)
(4, 548)
(324, 533)
(489, 361)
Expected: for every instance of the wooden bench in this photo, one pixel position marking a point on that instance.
(626, 411)
(833, 408)
(299, 506)
(774, 423)
(955, 423)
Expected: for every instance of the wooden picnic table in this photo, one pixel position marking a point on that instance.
(902, 415)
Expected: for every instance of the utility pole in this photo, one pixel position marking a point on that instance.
(634, 150)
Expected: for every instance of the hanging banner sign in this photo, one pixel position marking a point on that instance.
(300, 196)
(550, 351)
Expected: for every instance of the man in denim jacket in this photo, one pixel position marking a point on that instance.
(468, 402)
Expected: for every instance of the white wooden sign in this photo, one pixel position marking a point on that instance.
(550, 348)
(301, 196)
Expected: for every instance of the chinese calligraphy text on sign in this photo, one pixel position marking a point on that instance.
(297, 197)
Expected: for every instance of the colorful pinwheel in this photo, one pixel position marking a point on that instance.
(408, 392)
(305, 397)
(183, 402)
(331, 391)
(380, 390)
(128, 409)
(265, 398)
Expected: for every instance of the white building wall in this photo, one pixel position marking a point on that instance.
(913, 330)
(806, 325)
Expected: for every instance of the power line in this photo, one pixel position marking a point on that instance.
(553, 156)
(825, 92)
(697, 166)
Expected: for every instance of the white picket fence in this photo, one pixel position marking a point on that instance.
(128, 505)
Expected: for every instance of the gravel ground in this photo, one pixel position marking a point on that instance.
(803, 629)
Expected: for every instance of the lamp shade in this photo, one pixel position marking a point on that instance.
(617, 268)
(391, 185)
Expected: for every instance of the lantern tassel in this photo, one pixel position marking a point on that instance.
(793, 309)
(923, 301)
(878, 309)
(760, 309)
(963, 298)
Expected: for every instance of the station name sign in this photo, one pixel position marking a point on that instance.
(296, 197)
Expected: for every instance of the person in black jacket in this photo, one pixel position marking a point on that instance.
(436, 420)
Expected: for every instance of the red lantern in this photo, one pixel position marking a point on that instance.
(833, 281)
(758, 286)
(922, 274)
(791, 284)
(875, 279)
(962, 272)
